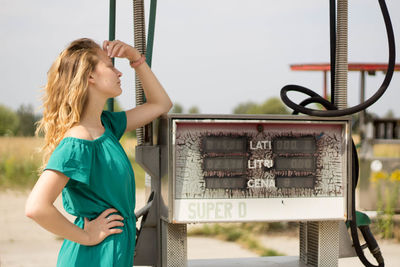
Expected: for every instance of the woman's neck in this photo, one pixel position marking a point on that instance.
(91, 114)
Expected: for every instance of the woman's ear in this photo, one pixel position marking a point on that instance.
(91, 79)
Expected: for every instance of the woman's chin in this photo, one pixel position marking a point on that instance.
(118, 93)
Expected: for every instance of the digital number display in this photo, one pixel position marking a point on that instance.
(224, 144)
(302, 144)
(295, 182)
(295, 163)
(233, 164)
(225, 182)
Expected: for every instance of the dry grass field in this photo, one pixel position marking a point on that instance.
(19, 161)
(385, 150)
(20, 158)
(20, 146)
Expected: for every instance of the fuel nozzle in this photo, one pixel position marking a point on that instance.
(371, 243)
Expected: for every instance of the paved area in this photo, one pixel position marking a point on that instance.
(290, 246)
(25, 244)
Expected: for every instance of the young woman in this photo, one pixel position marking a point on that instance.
(83, 158)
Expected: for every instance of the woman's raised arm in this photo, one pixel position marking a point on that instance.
(157, 100)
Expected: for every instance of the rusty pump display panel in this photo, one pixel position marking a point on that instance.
(255, 168)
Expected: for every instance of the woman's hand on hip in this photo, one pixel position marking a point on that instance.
(120, 49)
(101, 227)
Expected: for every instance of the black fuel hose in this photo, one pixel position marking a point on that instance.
(369, 238)
(368, 102)
(332, 111)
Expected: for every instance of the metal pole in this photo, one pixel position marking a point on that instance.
(332, 19)
(362, 99)
(321, 244)
(325, 85)
(341, 55)
(150, 36)
(111, 37)
(140, 44)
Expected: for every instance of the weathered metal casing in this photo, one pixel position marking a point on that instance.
(236, 168)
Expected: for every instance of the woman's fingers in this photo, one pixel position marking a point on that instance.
(112, 48)
(107, 212)
(103, 226)
(115, 224)
(116, 50)
(121, 52)
(111, 219)
(114, 217)
(120, 49)
(115, 231)
(105, 45)
(108, 46)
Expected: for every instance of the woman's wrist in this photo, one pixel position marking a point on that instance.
(138, 62)
(86, 239)
(135, 55)
(134, 58)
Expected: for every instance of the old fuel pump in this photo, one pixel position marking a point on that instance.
(238, 168)
(246, 168)
(254, 168)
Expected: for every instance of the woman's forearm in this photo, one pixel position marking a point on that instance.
(39, 207)
(152, 88)
(155, 93)
(52, 220)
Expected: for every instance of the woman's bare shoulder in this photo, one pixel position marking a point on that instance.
(80, 132)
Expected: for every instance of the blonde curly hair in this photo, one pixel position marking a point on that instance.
(65, 93)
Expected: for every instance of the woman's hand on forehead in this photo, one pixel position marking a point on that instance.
(120, 49)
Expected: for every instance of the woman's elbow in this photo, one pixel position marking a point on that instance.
(164, 107)
(168, 106)
(32, 209)
(29, 213)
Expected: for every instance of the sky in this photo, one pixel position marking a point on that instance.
(212, 54)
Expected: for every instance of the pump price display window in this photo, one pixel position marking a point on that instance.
(258, 169)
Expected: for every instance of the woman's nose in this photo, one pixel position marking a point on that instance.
(119, 74)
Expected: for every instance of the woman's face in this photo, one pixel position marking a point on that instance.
(105, 77)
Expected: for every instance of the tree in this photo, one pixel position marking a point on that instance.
(194, 110)
(8, 121)
(271, 106)
(244, 108)
(177, 108)
(27, 120)
(389, 114)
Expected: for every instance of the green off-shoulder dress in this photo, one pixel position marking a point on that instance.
(101, 177)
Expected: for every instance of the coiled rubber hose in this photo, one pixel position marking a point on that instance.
(369, 238)
(361, 106)
(332, 111)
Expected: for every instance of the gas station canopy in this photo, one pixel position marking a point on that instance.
(369, 67)
(363, 68)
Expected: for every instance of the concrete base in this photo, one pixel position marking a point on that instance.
(281, 261)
